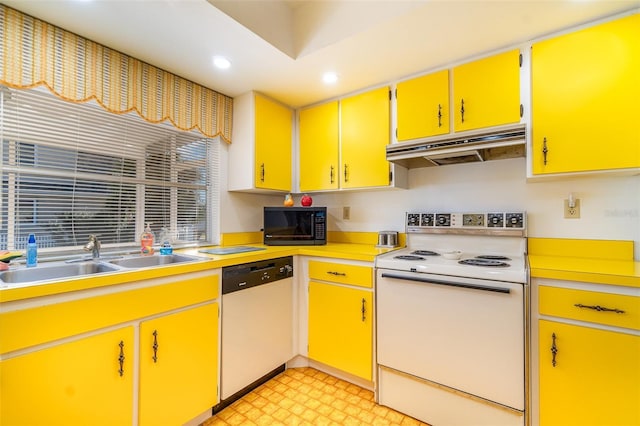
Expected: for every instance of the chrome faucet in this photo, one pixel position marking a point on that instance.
(93, 245)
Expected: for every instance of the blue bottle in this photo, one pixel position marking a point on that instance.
(32, 251)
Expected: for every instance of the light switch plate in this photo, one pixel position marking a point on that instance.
(346, 213)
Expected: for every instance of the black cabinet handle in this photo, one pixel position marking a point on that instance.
(121, 358)
(341, 274)
(544, 150)
(262, 172)
(554, 349)
(331, 174)
(155, 346)
(598, 308)
(462, 109)
(439, 115)
(363, 309)
(346, 172)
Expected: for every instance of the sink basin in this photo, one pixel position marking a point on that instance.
(155, 260)
(42, 273)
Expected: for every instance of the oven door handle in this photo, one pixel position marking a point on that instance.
(452, 284)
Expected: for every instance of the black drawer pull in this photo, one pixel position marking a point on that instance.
(598, 308)
(341, 274)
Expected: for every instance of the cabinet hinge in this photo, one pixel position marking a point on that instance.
(520, 60)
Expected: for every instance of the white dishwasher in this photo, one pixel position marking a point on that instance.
(257, 325)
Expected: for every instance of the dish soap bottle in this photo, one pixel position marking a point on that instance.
(32, 251)
(146, 240)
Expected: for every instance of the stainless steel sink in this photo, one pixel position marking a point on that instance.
(44, 273)
(155, 260)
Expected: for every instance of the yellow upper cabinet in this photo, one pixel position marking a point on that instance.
(585, 92)
(364, 133)
(486, 92)
(422, 106)
(273, 145)
(319, 147)
(343, 143)
(260, 155)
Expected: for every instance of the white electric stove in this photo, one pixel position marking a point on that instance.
(451, 319)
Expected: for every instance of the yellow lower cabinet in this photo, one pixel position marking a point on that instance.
(341, 328)
(81, 383)
(178, 366)
(588, 376)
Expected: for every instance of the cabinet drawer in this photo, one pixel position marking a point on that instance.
(34, 326)
(603, 308)
(361, 276)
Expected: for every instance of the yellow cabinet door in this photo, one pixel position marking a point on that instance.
(585, 90)
(178, 366)
(319, 143)
(595, 378)
(422, 106)
(273, 130)
(486, 92)
(364, 135)
(340, 328)
(72, 384)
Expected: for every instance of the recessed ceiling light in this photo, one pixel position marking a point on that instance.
(221, 62)
(329, 77)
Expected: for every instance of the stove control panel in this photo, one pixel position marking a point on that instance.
(512, 223)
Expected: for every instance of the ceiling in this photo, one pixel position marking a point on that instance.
(282, 47)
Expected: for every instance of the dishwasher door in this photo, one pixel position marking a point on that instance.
(257, 333)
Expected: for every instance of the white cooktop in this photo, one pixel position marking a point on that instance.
(470, 246)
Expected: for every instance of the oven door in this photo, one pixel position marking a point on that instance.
(466, 334)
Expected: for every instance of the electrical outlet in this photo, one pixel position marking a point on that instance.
(572, 212)
(346, 213)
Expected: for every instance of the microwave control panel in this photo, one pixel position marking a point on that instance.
(320, 226)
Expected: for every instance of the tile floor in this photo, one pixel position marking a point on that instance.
(306, 396)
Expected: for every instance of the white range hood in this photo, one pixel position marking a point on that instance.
(464, 147)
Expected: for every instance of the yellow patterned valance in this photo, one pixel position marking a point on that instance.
(35, 53)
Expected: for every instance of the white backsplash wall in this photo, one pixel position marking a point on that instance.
(610, 206)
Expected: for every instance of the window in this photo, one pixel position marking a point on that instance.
(70, 170)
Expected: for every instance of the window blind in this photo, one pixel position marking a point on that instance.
(72, 169)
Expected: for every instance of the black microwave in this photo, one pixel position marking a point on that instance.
(295, 226)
